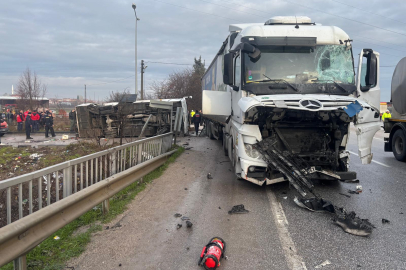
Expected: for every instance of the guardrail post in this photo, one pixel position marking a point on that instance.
(160, 146)
(106, 206)
(139, 156)
(113, 163)
(67, 181)
(20, 263)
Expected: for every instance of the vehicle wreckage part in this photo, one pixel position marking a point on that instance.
(365, 133)
(293, 169)
(212, 253)
(352, 224)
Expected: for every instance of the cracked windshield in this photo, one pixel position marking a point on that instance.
(321, 64)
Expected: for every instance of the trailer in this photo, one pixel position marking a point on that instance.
(127, 119)
(292, 81)
(396, 125)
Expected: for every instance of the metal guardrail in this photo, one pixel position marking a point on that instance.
(18, 238)
(23, 195)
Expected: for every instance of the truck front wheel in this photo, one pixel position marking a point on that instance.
(399, 145)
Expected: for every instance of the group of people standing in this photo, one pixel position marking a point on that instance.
(33, 121)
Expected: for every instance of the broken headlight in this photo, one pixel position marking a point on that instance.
(251, 151)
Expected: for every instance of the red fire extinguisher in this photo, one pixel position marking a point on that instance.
(212, 253)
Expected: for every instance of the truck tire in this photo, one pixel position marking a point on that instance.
(225, 145)
(211, 132)
(399, 145)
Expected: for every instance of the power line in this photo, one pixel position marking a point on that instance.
(368, 12)
(165, 63)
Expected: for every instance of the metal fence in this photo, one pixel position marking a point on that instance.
(21, 196)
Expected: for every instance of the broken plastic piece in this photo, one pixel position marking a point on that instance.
(327, 262)
(185, 218)
(384, 220)
(352, 224)
(177, 215)
(353, 108)
(238, 209)
(56, 237)
(315, 204)
(209, 176)
(189, 224)
(178, 226)
(358, 189)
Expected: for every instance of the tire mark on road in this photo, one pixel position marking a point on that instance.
(294, 261)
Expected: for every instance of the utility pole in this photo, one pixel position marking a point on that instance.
(85, 93)
(142, 79)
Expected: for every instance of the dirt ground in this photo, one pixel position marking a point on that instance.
(130, 236)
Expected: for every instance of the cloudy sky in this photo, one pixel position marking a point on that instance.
(73, 43)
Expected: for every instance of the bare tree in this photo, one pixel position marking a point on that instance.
(182, 83)
(30, 89)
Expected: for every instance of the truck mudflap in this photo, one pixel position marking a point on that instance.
(365, 134)
(298, 176)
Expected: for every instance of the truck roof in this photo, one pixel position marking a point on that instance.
(326, 35)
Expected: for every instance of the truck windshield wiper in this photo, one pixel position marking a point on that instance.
(339, 86)
(278, 80)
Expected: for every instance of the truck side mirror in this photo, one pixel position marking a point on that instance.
(370, 77)
(228, 69)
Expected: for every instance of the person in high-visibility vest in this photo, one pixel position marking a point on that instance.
(192, 113)
(386, 114)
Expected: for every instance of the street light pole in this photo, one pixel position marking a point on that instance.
(136, 20)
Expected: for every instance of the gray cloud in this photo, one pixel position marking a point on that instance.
(72, 43)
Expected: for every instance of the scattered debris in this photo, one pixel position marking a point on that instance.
(185, 218)
(65, 137)
(296, 170)
(351, 181)
(401, 213)
(219, 207)
(285, 197)
(188, 148)
(186, 188)
(384, 220)
(348, 196)
(177, 215)
(119, 264)
(117, 225)
(189, 224)
(56, 237)
(209, 176)
(358, 188)
(327, 262)
(315, 204)
(178, 226)
(352, 191)
(238, 209)
(186, 143)
(352, 224)
(107, 227)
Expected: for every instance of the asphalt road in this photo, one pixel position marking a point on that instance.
(275, 234)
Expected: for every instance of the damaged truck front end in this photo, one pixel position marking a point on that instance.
(308, 130)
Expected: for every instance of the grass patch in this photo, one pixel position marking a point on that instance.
(53, 254)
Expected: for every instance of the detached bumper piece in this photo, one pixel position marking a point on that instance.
(295, 170)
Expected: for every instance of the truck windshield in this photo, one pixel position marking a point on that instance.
(324, 63)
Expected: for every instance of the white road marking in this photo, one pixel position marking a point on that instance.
(377, 162)
(294, 261)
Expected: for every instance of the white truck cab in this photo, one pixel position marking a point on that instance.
(292, 80)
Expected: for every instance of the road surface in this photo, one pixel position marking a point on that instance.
(275, 234)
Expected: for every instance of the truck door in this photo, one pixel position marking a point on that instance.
(367, 121)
